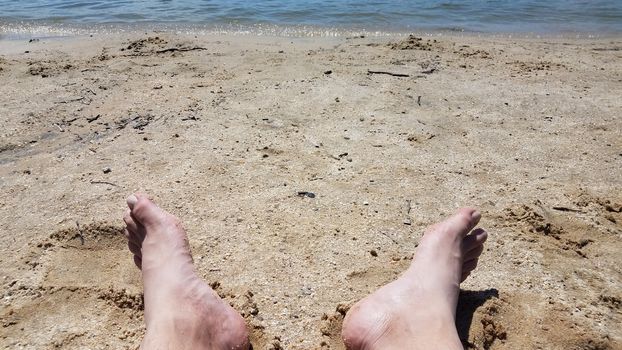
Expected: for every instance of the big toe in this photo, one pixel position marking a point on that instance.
(144, 210)
(462, 222)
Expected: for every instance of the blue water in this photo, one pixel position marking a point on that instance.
(519, 16)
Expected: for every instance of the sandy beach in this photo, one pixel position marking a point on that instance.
(305, 171)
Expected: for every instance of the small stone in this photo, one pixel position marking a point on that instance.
(365, 203)
(373, 253)
(407, 222)
(306, 194)
(106, 170)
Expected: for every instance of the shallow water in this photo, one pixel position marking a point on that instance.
(520, 16)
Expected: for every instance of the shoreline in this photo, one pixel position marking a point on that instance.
(35, 29)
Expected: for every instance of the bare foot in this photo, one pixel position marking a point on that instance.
(181, 311)
(418, 310)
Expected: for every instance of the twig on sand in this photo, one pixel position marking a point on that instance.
(388, 73)
(181, 49)
(103, 183)
(80, 235)
(568, 209)
(419, 101)
(408, 208)
(72, 100)
(389, 237)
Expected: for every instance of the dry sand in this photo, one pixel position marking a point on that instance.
(225, 131)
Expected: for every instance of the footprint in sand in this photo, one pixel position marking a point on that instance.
(81, 286)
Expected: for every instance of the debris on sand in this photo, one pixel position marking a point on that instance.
(306, 194)
(412, 43)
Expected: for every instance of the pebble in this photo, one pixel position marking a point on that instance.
(106, 170)
(307, 194)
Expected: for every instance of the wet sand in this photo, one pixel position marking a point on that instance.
(305, 171)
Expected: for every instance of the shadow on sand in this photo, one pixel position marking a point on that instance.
(468, 303)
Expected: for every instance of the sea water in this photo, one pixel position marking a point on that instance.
(500, 16)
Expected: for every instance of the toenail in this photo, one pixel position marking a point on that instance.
(475, 214)
(131, 201)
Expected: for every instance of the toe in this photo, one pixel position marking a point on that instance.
(131, 200)
(469, 266)
(138, 261)
(129, 221)
(137, 237)
(462, 222)
(126, 233)
(473, 253)
(475, 239)
(144, 211)
(134, 237)
(134, 248)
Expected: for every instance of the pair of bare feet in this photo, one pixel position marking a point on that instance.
(415, 311)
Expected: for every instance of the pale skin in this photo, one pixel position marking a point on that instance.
(416, 311)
